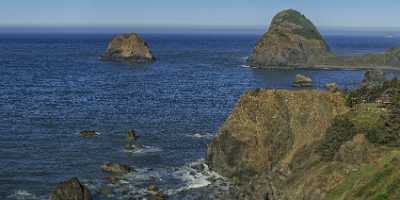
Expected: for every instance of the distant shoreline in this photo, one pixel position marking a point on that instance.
(328, 67)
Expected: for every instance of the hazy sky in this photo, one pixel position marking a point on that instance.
(237, 13)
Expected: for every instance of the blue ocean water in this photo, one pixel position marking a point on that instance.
(54, 86)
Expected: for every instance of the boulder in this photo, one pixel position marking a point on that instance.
(292, 40)
(87, 133)
(128, 47)
(302, 81)
(373, 78)
(115, 168)
(331, 87)
(71, 190)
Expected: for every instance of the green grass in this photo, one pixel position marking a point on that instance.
(375, 181)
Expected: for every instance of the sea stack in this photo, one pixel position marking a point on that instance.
(292, 40)
(129, 47)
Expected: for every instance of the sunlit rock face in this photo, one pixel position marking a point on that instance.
(128, 47)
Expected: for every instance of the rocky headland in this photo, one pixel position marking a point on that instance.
(294, 41)
(289, 145)
(129, 47)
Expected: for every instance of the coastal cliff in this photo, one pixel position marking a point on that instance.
(294, 41)
(128, 47)
(290, 145)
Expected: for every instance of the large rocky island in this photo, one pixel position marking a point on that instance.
(129, 47)
(294, 41)
(314, 145)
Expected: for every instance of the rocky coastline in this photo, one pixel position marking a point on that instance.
(283, 144)
(307, 144)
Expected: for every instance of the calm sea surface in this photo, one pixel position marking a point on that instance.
(54, 86)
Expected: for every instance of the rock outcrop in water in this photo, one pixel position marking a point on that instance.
(116, 168)
(302, 81)
(128, 47)
(291, 145)
(71, 190)
(87, 133)
(291, 40)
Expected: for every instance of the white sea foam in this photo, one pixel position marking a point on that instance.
(196, 175)
(245, 57)
(202, 135)
(22, 195)
(143, 149)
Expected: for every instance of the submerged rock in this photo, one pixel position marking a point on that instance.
(88, 133)
(291, 40)
(302, 81)
(116, 168)
(128, 47)
(71, 190)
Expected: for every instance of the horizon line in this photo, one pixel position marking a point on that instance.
(251, 29)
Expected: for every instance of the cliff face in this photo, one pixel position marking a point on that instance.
(289, 145)
(128, 47)
(268, 127)
(292, 39)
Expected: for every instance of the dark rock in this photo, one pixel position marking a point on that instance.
(373, 78)
(116, 168)
(291, 40)
(128, 47)
(132, 136)
(71, 190)
(302, 81)
(88, 133)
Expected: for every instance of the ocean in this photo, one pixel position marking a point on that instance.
(52, 86)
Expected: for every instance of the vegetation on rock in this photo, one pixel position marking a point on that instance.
(293, 40)
(279, 144)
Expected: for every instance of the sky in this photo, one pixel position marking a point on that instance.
(195, 13)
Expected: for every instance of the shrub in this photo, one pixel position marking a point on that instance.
(341, 131)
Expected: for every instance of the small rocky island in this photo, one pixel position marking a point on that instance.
(294, 41)
(129, 47)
